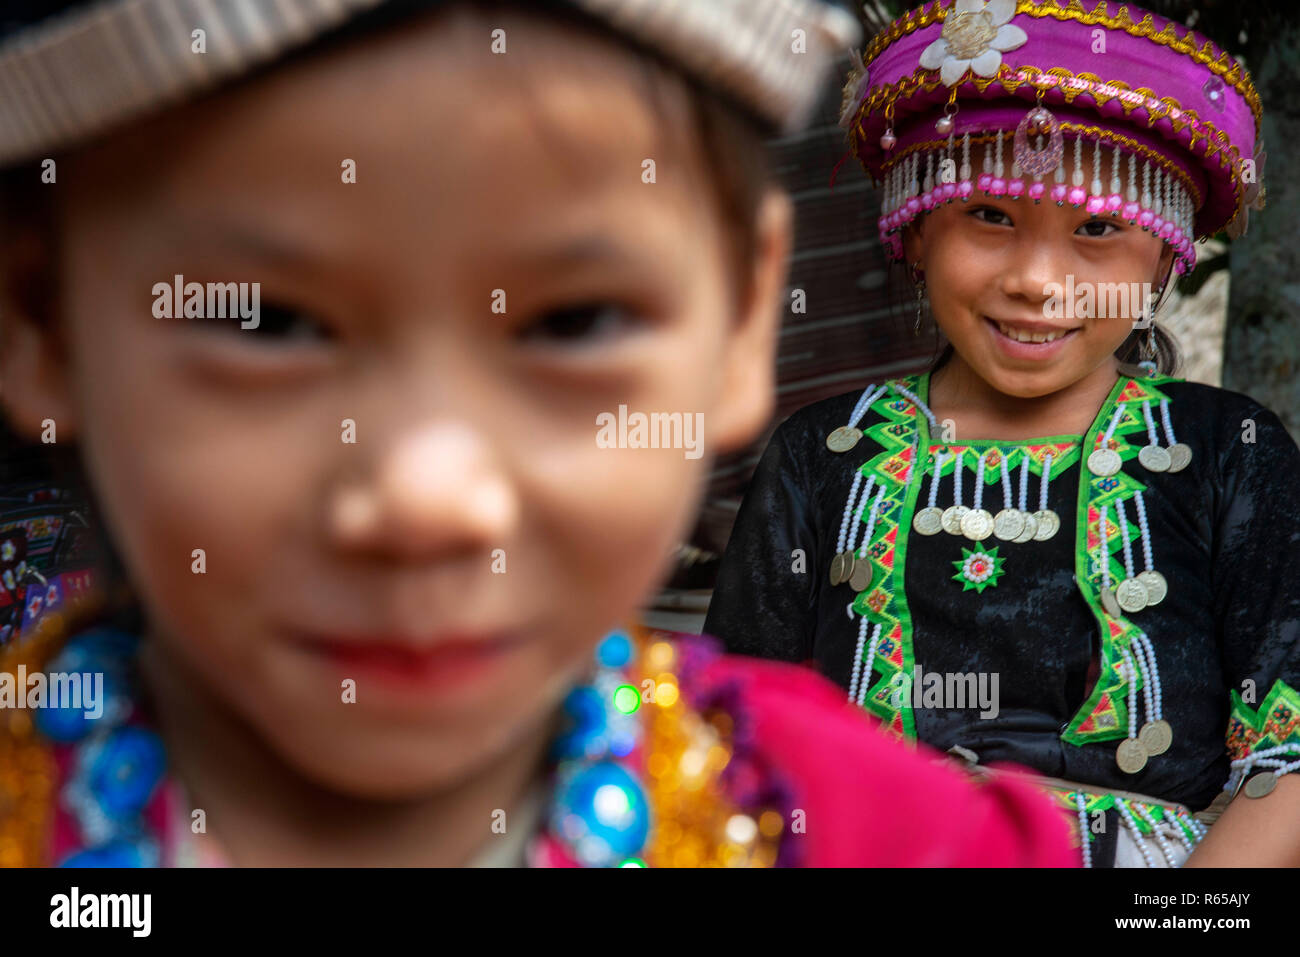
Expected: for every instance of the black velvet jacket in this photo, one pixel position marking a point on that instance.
(1224, 531)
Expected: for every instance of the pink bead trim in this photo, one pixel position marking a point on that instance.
(891, 225)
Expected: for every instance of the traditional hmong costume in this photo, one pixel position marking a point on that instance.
(1134, 591)
(673, 754)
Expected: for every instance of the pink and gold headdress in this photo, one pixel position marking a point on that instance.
(1170, 121)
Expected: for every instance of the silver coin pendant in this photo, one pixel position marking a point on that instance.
(1180, 456)
(860, 577)
(1109, 603)
(1008, 524)
(1048, 524)
(1131, 595)
(1261, 785)
(1029, 532)
(843, 438)
(952, 516)
(1156, 736)
(928, 521)
(1154, 458)
(977, 524)
(1131, 756)
(1104, 462)
(1157, 587)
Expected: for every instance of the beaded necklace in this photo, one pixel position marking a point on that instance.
(638, 775)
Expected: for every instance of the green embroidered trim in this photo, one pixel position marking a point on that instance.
(1020, 443)
(1092, 803)
(886, 602)
(1276, 721)
(1064, 450)
(1104, 716)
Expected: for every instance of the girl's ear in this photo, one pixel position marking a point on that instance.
(34, 380)
(747, 396)
(913, 248)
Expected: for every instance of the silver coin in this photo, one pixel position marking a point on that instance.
(860, 577)
(1131, 595)
(1156, 736)
(928, 521)
(843, 438)
(977, 524)
(1109, 603)
(1261, 784)
(837, 569)
(1008, 524)
(1154, 458)
(1048, 524)
(952, 516)
(1104, 462)
(1157, 587)
(1131, 756)
(1180, 456)
(1030, 530)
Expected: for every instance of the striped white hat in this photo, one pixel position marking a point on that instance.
(70, 70)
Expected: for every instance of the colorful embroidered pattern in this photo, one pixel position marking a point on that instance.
(903, 429)
(1104, 716)
(1063, 449)
(1275, 722)
(1143, 815)
(900, 433)
(885, 602)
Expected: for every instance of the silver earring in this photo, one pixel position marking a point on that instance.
(1149, 343)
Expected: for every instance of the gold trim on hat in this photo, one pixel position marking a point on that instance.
(1218, 61)
(924, 81)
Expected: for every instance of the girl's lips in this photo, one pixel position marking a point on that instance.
(1027, 350)
(399, 666)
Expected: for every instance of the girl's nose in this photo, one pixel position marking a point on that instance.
(1030, 270)
(435, 490)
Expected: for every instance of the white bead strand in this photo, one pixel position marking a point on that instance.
(1165, 848)
(1127, 817)
(869, 664)
(1084, 836)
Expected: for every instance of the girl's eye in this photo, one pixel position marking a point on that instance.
(1090, 230)
(580, 325)
(277, 323)
(286, 324)
(994, 217)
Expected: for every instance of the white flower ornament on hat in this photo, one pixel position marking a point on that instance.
(859, 77)
(975, 35)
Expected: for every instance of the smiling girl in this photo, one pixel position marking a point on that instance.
(1115, 545)
(375, 556)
